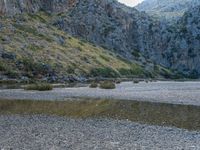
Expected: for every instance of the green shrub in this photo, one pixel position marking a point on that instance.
(194, 74)
(38, 68)
(118, 81)
(135, 70)
(39, 87)
(93, 85)
(136, 53)
(8, 81)
(107, 85)
(136, 81)
(191, 53)
(12, 74)
(2, 66)
(104, 72)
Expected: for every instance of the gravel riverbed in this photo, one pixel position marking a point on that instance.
(163, 91)
(52, 132)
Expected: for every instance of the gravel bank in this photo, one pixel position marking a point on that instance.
(167, 92)
(51, 132)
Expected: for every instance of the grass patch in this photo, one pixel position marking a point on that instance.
(34, 47)
(39, 68)
(12, 74)
(8, 81)
(2, 66)
(107, 85)
(182, 116)
(135, 70)
(39, 87)
(104, 72)
(33, 31)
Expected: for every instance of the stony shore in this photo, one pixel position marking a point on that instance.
(51, 132)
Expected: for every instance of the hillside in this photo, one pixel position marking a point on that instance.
(167, 10)
(31, 48)
(83, 38)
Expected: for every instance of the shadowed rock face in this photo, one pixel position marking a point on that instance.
(183, 49)
(111, 24)
(12, 7)
(126, 31)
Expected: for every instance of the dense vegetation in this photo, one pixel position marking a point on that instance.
(39, 87)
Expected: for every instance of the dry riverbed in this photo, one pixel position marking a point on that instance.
(187, 93)
(84, 118)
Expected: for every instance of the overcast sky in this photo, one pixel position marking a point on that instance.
(130, 2)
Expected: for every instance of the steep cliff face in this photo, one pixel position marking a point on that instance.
(12, 7)
(137, 36)
(113, 25)
(183, 49)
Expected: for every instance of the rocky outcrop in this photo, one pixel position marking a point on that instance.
(183, 49)
(12, 7)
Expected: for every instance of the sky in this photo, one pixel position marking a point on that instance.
(130, 2)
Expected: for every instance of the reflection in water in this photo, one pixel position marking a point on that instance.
(181, 116)
(21, 86)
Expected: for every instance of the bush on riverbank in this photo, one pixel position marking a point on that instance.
(136, 81)
(104, 72)
(8, 81)
(107, 85)
(118, 81)
(93, 85)
(39, 87)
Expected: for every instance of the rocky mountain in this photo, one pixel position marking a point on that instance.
(111, 38)
(112, 25)
(167, 10)
(31, 48)
(132, 34)
(183, 48)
